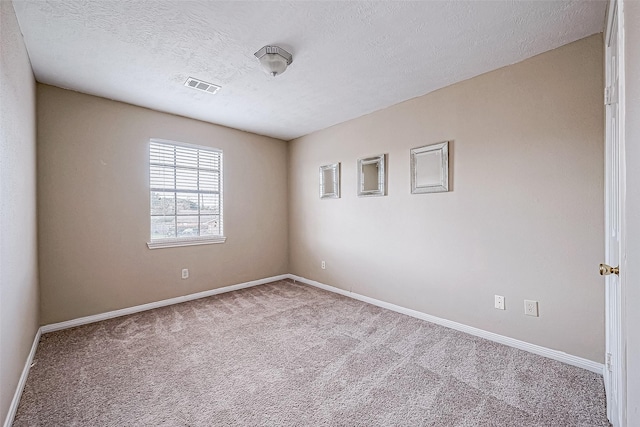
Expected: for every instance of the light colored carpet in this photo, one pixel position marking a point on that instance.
(286, 354)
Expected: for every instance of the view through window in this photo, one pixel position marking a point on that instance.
(186, 192)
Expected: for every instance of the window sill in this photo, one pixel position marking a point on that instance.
(161, 244)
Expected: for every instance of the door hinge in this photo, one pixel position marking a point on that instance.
(610, 95)
(608, 362)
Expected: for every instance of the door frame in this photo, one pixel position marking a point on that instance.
(617, 416)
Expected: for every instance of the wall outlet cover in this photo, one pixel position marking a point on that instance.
(531, 307)
(499, 302)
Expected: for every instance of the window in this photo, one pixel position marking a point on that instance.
(186, 194)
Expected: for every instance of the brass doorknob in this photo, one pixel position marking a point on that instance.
(605, 270)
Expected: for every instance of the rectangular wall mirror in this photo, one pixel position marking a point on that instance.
(430, 168)
(371, 176)
(330, 181)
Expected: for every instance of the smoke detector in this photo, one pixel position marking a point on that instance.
(201, 85)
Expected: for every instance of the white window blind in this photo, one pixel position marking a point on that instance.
(186, 194)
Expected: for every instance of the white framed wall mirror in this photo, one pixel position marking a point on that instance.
(371, 176)
(330, 181)
(430, 168)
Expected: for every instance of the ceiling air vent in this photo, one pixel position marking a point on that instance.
(200, 85)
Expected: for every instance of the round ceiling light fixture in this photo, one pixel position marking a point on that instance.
(274, 59)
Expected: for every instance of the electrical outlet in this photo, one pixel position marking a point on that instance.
(185, 273)
(531, 308)
(323, 265)
(499, 302)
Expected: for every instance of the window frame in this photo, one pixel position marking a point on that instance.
(172, 242)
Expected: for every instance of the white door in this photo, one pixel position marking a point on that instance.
(614, 367)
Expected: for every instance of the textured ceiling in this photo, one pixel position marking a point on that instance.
(350, 58)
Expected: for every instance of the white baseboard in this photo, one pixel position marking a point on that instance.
(512, 342)
(150, 306)
(110, 315)
(23, 380)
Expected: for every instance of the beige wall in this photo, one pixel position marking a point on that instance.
(632, 209)
(18, 253)
(524, 218)
(93, 207)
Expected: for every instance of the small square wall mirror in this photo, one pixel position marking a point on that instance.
(330, 181)
(430, 168)
(371, 176)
